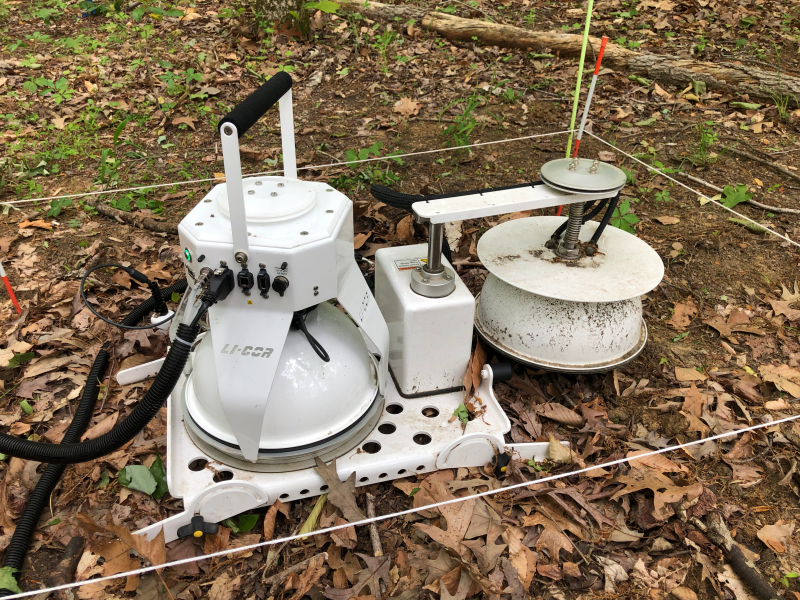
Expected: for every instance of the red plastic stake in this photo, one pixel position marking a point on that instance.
(10, 289)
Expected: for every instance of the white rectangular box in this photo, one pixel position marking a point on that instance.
(430, 339)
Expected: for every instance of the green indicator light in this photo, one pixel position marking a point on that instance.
(187, 254)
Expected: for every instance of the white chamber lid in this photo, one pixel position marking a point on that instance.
(271, 199)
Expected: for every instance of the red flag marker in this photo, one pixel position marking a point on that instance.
(10, 289)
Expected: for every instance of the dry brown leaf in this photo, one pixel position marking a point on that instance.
(102, 427)
(560, 413)
(39, 223)
(269, 520)
(656, 461)
(558, 452)
(693, 401)
(785, 378)
(405, 229)
(306, 580)
(780, 307)
(684, 311)
(406, 107)
(360, 238)
(552, 539)
(687, 374)
(788, 296)
(342, 494)
(668, 220)
(776, 536)
(185, 121)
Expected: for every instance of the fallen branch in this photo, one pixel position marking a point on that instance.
(711, 186)
(727, 77)
(130, 218)
(64, 571)
(719, 534)
(763, 161)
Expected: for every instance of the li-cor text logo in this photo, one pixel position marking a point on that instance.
(256, 352)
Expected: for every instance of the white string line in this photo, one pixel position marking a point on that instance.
(401, 513)
(336, 164)
(680, 183)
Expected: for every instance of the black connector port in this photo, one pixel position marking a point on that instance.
(220, 285)
(245, 280)
(262, 281)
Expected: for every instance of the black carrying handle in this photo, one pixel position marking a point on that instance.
(245, 114)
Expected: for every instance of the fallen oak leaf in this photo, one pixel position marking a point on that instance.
(558, 412)
(688, 374)
(785, 378)
(777, 535)
(780, 307)
(377, 570)
(684, 311)
(342, 494)
(406, 107)
(668, 220)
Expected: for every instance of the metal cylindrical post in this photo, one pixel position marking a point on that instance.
(435, 235)
(568, 248)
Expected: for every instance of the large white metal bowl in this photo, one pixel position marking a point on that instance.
(577, 316)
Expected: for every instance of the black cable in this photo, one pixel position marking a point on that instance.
(299, 322)
(26, 525)
(612, 205)
(158, 301)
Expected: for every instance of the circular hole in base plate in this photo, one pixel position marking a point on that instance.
(401, 471)
(383, 475)
(394, 409)
(283, 496)
(421, 468)
(422, 439)
(372, 447)
(324, 488)
(223, 476)
(430, 412)
(198, 464)
(387, 428)
(363, 479)
(303, 491)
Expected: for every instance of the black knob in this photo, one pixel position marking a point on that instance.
(280, 284)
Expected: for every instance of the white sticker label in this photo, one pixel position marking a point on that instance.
(409, 263)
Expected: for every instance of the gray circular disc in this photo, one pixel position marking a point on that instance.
(608, 178)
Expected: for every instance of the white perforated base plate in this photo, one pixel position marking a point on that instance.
(413, 436)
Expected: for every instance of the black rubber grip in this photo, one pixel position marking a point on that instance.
(245, 114)
(501, 371)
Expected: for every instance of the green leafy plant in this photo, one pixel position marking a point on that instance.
(462, 413)
(791, 575)
(46, 14)
(464, 124)
(623, 217)
(59, 90)
(731, 196)
(139, 12)
(530, 18)
(26, 407)
(8, 581)
(701, 155)
(663, 196)
(369, 174)
(381, 44)
(20, 359)
(152, 481)
(325, 6)
(57, 205)
(244, 523)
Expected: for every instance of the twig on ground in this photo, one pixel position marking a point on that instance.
(711, 186)
(374, 537)
(130, 218)
(276, 580)
(719, 534)
(763, 161)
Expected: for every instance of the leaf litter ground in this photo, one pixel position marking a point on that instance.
(723, 350)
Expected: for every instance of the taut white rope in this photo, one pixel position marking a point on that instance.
(310, 168)
(680, 183)
(409, 511)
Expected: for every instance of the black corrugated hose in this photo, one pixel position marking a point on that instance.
(26, 525)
